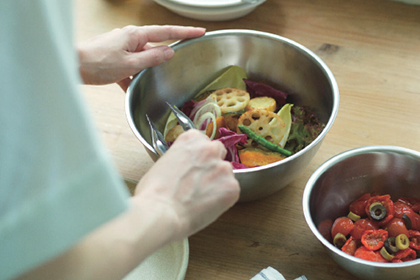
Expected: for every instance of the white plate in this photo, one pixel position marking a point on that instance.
(168, 263)
(210, 14)
(208, 3)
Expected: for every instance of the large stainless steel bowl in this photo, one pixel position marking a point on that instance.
(344, 178)
(265, 57)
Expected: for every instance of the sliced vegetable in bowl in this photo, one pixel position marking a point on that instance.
(271, 129)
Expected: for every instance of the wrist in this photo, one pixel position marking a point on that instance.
(82, 55)
(157, 219)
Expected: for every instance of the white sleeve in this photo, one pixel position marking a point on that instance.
(57, 183)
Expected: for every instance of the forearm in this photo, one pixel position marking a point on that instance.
(114, 249)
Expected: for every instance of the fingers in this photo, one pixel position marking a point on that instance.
(151, 57)
(211, 149)
(156, 33)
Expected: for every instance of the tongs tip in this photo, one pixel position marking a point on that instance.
(184, 121)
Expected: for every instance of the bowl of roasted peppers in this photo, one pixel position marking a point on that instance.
(363, 206)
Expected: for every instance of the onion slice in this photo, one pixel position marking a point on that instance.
(203, 119)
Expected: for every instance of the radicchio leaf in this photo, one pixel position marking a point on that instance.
(237, 165)
(256, 89)
(188, 107)
(230, 139)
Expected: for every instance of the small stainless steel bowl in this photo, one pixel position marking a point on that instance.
(265, 57)
(344, 178)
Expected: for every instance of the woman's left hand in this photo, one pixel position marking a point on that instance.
(115, 56)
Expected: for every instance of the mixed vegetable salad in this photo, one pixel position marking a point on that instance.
(253, 120)
(377, 229)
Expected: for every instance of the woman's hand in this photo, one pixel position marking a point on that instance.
(116, 56)
(191, 182)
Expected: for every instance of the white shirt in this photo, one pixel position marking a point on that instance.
(56, 181)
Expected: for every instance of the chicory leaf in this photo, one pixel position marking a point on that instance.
(233, 77)
(286, 115)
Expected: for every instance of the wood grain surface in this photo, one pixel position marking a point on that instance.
(373, 49)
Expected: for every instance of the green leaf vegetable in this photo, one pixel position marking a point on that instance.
(305, 128)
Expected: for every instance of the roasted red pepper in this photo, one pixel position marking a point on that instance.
(374, 239)
(405, 255)
(358, 206)
(360, 226)
(368, 255)
(386, 201)
(414, 237)
(350, 246)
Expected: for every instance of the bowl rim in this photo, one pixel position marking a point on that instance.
(326, 166)
(249, 32)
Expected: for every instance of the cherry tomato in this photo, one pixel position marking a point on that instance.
(395, 227)
(405, 255)
(358, 206)
(324, 229)
(350, 246)
(374, 239)
(368, 255)
(360, 226)
(414, 237)
(400, 209)
(410, 201)
(386, 201)
(406, 201)
(342, 225)
(416, 207)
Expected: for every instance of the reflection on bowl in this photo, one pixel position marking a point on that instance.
(344, 178)
(277, 61)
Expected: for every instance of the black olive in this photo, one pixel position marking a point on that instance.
(390, 246)
(377, 211)
(407, 221)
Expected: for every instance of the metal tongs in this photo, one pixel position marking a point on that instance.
(158, 141)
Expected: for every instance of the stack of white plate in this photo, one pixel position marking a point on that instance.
(211, 10)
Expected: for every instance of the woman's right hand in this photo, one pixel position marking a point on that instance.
(191, 182)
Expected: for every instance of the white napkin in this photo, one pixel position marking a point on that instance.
(270, 273)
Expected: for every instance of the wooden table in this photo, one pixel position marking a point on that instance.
(373, 49)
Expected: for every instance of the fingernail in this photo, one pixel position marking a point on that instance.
(169, 53)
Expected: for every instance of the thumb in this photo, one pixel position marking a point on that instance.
(124, 83)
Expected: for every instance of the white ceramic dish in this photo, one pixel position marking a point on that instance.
(210, 14)
(168, 263)
(209, 3)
